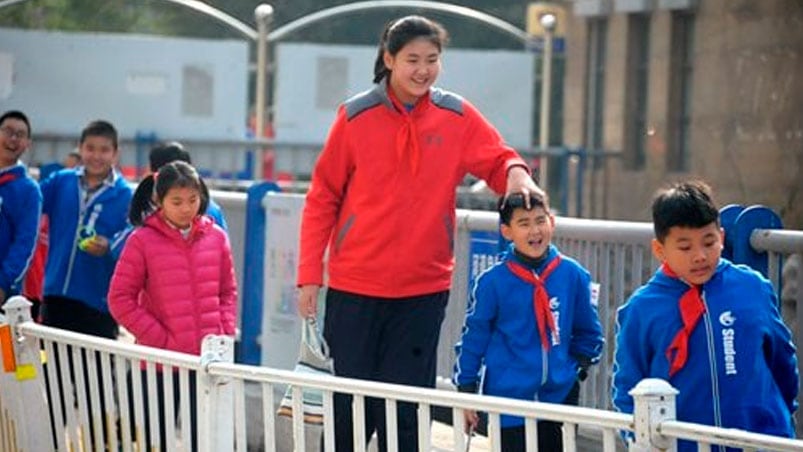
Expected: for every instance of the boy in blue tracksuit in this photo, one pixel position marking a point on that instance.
(86, 206)
(531, 323)
(20, 204)
(707, 326)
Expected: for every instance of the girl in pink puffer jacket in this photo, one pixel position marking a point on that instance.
(174, 282)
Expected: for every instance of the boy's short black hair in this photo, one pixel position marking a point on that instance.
(687, 204)
(508, 204)
(100, 128)
(165, 153)
(16, 114)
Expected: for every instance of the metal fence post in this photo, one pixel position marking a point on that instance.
(22, 380)
(215, 397)
(654, 402)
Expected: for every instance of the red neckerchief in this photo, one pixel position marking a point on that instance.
(692, 309)
(407, 136)
(7, 177)
(543, 315)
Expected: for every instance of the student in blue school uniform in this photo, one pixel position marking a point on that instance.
(20, 204)
(708, 327)
(86, 206)
(531, 323)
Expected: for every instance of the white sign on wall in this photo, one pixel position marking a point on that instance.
(177, 88)
(281, 325)
(312, 80)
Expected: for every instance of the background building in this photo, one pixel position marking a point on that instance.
(681, 88)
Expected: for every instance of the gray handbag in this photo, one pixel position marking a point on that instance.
(313, 358)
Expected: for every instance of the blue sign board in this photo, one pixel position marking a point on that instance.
(483, 252)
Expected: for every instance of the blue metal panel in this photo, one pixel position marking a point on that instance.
(250, 349)
(752, 218)
(727, 217)
(483, 251)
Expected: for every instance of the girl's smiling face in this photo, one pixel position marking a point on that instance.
(414, 69)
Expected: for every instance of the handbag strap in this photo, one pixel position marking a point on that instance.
(311, 335)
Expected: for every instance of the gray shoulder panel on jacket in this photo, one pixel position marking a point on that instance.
(447, 100)
(361, 102)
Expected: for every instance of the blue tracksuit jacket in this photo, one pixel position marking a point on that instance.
(20, 206)
(70, 272)
(501, 333)
(741, 370)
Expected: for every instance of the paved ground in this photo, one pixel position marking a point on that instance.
(443, 439)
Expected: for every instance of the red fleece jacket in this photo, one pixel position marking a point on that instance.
(383, 192)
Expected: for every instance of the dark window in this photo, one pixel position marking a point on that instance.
(595, 108)
(638, 49)
(197, 91)
(681, 71)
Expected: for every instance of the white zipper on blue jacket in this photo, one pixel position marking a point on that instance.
(544, 350)
(82, 210)
(709, 335)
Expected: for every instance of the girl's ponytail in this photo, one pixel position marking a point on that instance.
(380, 70)
(141, 202)
(204, 196)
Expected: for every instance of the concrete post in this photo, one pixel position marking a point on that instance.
(654, 402)
(215, 398)
(23, 384)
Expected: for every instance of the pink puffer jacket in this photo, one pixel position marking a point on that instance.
(170, 292)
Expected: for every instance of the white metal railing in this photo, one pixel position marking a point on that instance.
(786, 246)
(707, 436)
(96, 398)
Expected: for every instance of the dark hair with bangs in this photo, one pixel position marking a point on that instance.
(171, 175)
(687, 204)
(399, 33)
(165, 153)
(508, 204)
(16, 114)
(100, 128)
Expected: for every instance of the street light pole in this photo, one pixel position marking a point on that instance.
(263, 14)
(548, 22)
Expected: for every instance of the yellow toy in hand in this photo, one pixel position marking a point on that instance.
(84, 244)
(88, 237)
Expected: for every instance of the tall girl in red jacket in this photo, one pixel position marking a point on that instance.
(382, 200)
(174, 282)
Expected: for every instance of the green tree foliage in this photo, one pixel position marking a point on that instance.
(81, 15)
